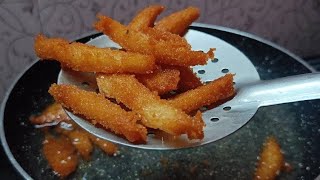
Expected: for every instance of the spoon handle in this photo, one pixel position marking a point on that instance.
(282, 90)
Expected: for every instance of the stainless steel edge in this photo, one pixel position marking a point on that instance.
(3, 139)
(257, 38)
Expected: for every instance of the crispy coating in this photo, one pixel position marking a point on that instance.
(60, 151)
(98, 109)
(163, 36)
(156, 113)
(146, 17)
(188, 79)
(86, 58)
(178, 22)
(161, 81)
(53, 113)
(81, 141)
(216, 90)
(271, 160)
(60, 154)
(106, 146)
(165, 52)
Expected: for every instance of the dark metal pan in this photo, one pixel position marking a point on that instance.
(295, 125)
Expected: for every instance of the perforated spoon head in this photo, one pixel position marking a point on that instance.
(220, 121)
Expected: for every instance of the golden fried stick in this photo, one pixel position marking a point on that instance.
(86, 58)
(81, 141)
(188, 79)
(78, 137)
(61, 155)
(178, 22)
(52, 113)
(172, 39)
(98, 109)
(108, 147)
(146, 17)
(161, 81)
(136, 41)
(216, 90)
(156, 113)
(271, 160)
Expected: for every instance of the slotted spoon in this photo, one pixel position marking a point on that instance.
(225, 119)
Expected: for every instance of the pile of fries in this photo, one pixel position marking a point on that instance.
(154, 60)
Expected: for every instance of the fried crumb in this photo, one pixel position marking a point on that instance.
(271, 160)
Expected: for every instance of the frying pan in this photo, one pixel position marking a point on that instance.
(295, 125)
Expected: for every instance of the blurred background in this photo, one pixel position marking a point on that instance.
(293, 24)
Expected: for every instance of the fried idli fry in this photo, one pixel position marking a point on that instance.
(156, 113)
(188, 79)
(271, 160)
(106, 146)
(144, 21)
(146, 17)
(78, 137)
(81, 141)
(178, 22)
(60, 154)
(161, 81)
(86, 58)
(136, 41)
(175, 40)
(216, 90)
(96, 108)
(53, 113)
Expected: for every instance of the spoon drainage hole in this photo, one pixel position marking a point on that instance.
(214, 119)
(201, 71)
(227, 108)
(214, 60)
(225, 70)
(151, 134)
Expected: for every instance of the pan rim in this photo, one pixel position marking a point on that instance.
(3, 140)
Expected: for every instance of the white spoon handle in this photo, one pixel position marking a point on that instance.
(282, 90)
